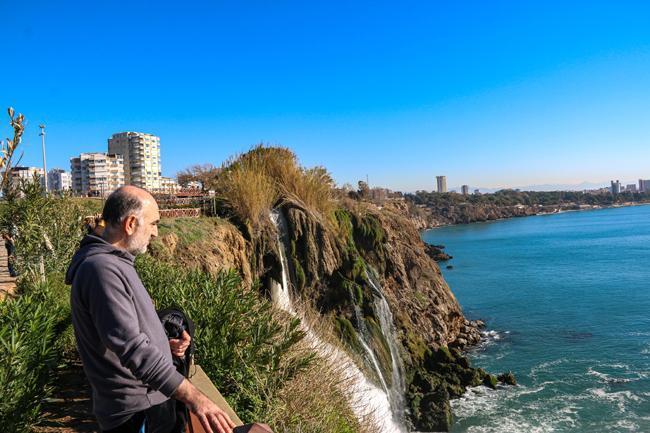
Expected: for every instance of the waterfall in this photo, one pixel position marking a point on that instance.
(280, 290)
(367, 399)
(363, 337)
(387, 325)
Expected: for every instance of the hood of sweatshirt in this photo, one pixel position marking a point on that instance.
(92, 245)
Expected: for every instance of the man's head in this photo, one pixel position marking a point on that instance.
(131, 217)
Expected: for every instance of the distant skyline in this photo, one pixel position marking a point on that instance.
(498, 94)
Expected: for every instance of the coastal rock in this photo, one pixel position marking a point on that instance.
(490, 381)
(507, 378)
(434, 412)
(436, 252)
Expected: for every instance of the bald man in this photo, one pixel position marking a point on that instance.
(122, 344)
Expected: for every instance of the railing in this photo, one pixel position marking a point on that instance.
(180, 213)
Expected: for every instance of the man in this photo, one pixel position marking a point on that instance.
(125, 352)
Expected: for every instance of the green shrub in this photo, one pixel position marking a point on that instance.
(46, 229)
(30, 350)
(241, 343)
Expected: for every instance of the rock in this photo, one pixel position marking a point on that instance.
(456, 353)
(507, 378)
(490, 381)
(460, 342)
(450, 267)
(471, 376)
(436, 253)
(478, 324)
(436, 412)
(474, 337)
(463, 362)
(443, 355)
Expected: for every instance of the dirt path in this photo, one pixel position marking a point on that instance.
(69, 410)
(7, 282)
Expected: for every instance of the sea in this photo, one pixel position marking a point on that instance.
(566, 301)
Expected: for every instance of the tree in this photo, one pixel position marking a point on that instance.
(205, 174)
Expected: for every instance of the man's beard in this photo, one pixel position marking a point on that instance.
(135, 245)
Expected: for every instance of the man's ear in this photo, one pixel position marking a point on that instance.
(130, 224)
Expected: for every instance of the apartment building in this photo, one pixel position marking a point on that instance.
(141, 153)
(441, 183)
(21, 173)
(97, 174)
(59, 180)
(168, 185)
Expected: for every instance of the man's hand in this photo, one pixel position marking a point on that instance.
(180, 345)
(213, 419)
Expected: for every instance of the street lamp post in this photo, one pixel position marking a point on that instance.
(42, 134)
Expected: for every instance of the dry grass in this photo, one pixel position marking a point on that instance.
(248, 191)
(252, 183)
(320, 399)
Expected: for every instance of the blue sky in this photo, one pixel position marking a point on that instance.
(490, 94)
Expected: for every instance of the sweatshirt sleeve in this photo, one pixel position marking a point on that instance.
(113, 312)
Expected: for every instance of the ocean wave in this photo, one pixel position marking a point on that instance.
(545, 367)
(623, 373)
(555, 401)
(490, 337)
(606, 378)
(481, 402)
(620, 398)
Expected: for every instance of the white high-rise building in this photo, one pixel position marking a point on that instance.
(97, 174)
(59, 180)
(441, 182)
(26, 174)
(141, 153)
(616, 187)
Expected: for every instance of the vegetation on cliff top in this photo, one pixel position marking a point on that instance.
(254, 182)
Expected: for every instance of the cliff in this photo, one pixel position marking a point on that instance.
(364, 270)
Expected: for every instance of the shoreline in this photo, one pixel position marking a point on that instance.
(559, 211)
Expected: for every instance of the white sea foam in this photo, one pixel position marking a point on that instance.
(621, 399)
(486, 405)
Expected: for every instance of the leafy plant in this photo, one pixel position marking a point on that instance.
(30, 349)
(46, 229)
(242, 344)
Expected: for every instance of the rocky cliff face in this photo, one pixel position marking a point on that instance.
(435, 216)
(331, 264)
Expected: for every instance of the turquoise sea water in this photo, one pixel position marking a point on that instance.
(566, 299)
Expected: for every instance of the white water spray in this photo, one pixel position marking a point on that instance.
(367, 399)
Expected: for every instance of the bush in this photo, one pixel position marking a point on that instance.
(243, 346)
(45, 228)
(30, 350)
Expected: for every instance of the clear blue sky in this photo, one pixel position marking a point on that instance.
(488, 93)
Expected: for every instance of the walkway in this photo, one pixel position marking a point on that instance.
(7, 283)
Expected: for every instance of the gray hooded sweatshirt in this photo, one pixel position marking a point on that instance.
(122, 344)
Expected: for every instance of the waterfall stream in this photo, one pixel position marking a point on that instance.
(387, 325)
(367, 399)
